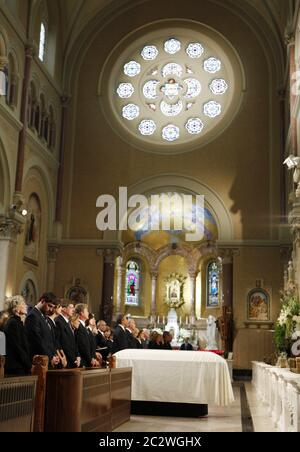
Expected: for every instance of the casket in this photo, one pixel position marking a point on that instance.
(178, 377)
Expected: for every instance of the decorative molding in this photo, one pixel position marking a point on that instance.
(52, 253)
(7, 114)
(38, 146)
(227, 254)
(10, 228)
(109, 254)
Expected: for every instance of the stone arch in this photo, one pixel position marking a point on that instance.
(5, 183)
(45, 182)
(3, 43)
(173, 182)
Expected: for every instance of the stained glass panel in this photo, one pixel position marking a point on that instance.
(213, 282)
(132, 283)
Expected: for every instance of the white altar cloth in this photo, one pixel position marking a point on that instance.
(177, 376)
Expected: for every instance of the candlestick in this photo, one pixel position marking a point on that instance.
(186, 320)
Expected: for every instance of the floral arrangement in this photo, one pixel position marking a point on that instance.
(288, 321)
(174, 304)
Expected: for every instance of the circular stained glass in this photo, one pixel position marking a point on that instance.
(212, 65)
(179, 90)
(194, 126)
(172, 69)
(170, 133)
(130, 112)
(149, 89)
(125, 90)
(172, 46)
(149, 53)
(212, 109)
(171, 109)
(193, 88)
(132, 68)
(147, 127)
(195, 50)
(218, 87)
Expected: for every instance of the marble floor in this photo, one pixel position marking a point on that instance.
(236, 418)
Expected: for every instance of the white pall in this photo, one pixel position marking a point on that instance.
(177, 376)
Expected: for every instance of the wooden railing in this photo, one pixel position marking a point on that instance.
(74, 400)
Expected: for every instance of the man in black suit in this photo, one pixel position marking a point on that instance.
(120, 335)
(66, 336)
(186, 345)
(38, 330)
(101, 340)
(86, 352)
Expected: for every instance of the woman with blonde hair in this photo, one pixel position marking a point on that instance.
(17, 360)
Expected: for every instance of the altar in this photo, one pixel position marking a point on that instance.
(163, 376)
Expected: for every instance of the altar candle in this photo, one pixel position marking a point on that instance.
(180, 320)
(158, 319)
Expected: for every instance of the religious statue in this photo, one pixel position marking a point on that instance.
(211, 333)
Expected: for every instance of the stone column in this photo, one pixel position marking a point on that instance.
(227, 306)
(52, 257)
(107, 305)
(193, 277)
(154, 276)
(29, 53)
(64, 104)
(120, 277)
(9, 230)
(227, 278)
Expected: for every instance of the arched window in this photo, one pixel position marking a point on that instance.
(12, 83)
(42, 44)
(132, 295)
(52, 129)
(43, 116)
(31, 105)
(213, 285)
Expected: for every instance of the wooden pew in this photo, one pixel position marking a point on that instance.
(87, 400)
(17, 400)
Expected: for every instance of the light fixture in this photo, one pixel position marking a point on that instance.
(292, 162)
(24, 212)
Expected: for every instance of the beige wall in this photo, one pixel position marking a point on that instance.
(82, 263)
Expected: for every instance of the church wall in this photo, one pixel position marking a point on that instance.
(225, 165)
(83, 263)
(34, 185)
(253, 264)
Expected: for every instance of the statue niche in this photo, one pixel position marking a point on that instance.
(174, 290)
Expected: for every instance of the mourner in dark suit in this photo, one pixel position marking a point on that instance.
(120, 335)
(65, 334)
(167, 339)
(18, 360)
(86, 351)
(186, 345)
(39, 331)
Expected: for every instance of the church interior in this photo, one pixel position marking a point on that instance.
(111, 105)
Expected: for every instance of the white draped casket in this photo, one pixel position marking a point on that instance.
(177, 376)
